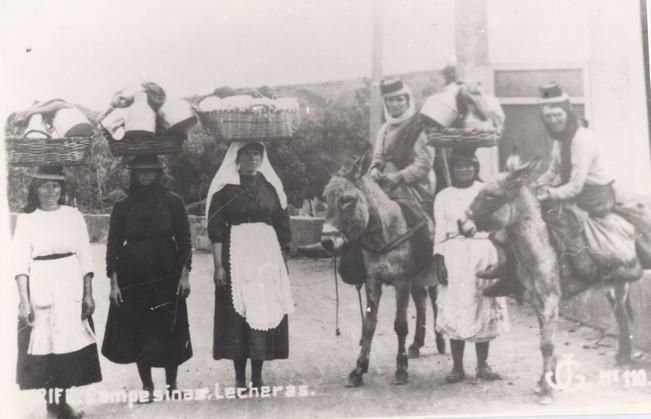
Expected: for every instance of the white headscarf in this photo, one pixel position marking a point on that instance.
(228, 174)
(411, 109)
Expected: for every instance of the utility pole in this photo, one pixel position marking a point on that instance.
(376, 71)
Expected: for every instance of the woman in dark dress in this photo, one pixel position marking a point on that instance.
(248, 225)
(148, 260)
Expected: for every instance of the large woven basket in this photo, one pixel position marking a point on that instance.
(135, 146)
(461, 137)
(236, 126)
(22, 151)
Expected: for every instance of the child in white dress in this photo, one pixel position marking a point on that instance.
(464, 313)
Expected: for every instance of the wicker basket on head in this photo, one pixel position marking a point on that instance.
(23, 151)
(247, 125)
(146, 144)
(463, 137)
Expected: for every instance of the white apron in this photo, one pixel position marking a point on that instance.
(259, 278)
(56, 290)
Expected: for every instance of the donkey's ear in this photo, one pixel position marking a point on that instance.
(356, 170)
(525, 172)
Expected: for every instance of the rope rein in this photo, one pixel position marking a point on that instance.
(359, 297)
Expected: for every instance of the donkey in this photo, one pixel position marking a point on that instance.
(358, 208)
(507, 203)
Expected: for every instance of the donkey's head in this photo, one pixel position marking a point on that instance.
(494, 207)
(348, 211)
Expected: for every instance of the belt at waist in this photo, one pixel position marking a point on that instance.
(251, 220)
(54, 256)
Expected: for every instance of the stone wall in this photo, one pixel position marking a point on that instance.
(305, 230)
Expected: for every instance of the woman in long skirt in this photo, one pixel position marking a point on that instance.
(54, 271)
(148, 259)
(248, 225)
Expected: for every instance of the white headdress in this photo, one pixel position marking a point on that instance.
(228, 174)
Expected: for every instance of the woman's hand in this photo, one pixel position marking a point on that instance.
(184, 284)
(440, 270)
(376, 174)
(87, 306)
(542, 193)
(115, 295)
(25, 312)
(219, 276)
(393, 179)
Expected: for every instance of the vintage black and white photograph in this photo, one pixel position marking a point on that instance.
(304, 208)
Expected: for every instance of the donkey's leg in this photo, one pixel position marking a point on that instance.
(401, 328)
(440, 339)
(373, 295)
(419, 295)
(621, 306)
(547, 313)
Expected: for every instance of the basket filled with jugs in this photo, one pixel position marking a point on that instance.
(463, 116)
(245, 114)
(142, 120)
(50, 132)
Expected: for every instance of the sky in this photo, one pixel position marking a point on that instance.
(84, 51)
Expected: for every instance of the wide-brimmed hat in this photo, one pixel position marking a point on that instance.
(552, 94)
(393, 87)
(145, 162)
(49, 173)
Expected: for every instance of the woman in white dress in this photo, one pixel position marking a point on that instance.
(464, 313)
(53, 270)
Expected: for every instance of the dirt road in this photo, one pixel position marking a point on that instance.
(313, 378)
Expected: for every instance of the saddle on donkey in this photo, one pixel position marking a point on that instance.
(596, 244)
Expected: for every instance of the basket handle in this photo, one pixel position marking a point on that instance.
(37, 131)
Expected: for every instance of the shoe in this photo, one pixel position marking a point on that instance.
(67, 412)
(486, 373)
(455, 376)
(504, 288)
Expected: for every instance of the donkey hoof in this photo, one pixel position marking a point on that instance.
(440, 343)
(402, 377)
(413, 352)
(354, 379)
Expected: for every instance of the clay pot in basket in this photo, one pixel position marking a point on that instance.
(140, 118)
(176, 116)
(115, 122)
(442, 107)
(71, 122)
(35, 127)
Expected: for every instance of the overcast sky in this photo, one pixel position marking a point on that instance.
(83, 51)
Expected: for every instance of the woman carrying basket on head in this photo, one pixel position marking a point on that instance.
(148, 259)
(54, 271)
(248, 225)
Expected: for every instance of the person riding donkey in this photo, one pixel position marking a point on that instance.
(402, 164)
(577, 199)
